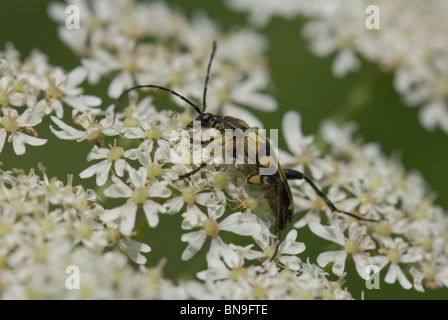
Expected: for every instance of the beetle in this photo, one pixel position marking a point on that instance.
(273, 184)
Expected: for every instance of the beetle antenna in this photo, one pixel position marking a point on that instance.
(195, 107)
(204, 103)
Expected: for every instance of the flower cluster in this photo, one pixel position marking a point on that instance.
(138, 156)
(49, 229)
(32, 89)
(410, 43)
(410, 239)
(148, 43)
(47, 225)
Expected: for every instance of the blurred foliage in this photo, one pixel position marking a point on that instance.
(301, 82)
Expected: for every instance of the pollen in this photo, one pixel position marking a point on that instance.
(259, 293)
(384, 228)
(84, 230)
(51, 189)
(131, 122)
(40, 252)
(47, 224)
(394, 256)
(115, 153)
(53, 93)
(238, 272)
(9, 123)
(5, 228)
(112, 235)
(351, 246)
(189, 195)
(153, 133)
(153, 170)
(270, 251)
(129, 66)
(94, 131)
(305, 159)
(252, 203)
(426, 243)
(140, 195)
(4, 99)
(211, 227)
(365, 198)
(306, 294)
(221, 180)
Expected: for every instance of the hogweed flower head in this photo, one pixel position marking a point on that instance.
(415, 53)
(47, 225)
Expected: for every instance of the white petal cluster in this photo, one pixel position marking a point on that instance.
(30, 90)
(49, 228)
(148, 43)
(410, 239)
(410, 42)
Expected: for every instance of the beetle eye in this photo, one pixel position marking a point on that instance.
(206, 117)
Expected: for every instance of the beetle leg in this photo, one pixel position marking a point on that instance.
(203, 143)
(205, 163)
(293, 174)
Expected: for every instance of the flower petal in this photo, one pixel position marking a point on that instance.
(133, 249)
(118, 189)
(3, 135)
(337, 257)
(332, 233)
(196, 240)
(292, 131)
(152, 209)
(101, 170)
(234, 223)
(76, 77)
(120, 83)
(395, 273)
(128, 218)
(290, 246)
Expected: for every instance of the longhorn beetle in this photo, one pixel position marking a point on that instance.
(273, 185)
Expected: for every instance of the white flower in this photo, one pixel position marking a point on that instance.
(60, 87)
(289, 249)
(93, 14)
(237, 222)
(434, 114)
(222, 258)
(112, 156)
(430, 274)
(287, 253)
(140, 194)
(304, 152)
(46, 224)
(94, 130)
(346, 61)
(133, 249)
(356, 244)
(9, 95)
(399, 251)
(11, 123)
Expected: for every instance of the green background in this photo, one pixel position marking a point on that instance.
(303, 82)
